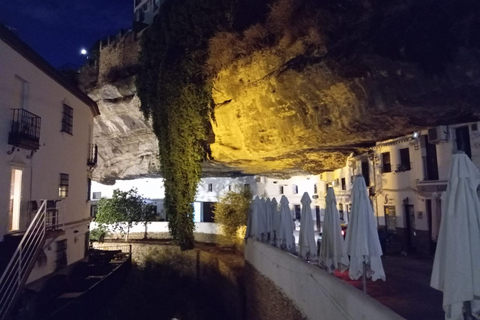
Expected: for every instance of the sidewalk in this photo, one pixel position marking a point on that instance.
(407, 288)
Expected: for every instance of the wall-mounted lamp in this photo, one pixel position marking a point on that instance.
(416, 134)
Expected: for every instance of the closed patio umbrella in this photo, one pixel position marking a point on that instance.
(308, 247)
(255, 225)
(333, 254)
(456, 269)
(363, 245)
(286, 239)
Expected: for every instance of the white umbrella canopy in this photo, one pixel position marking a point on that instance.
(308, 247)
(255, 224)
(286, 239)
(333, 254)
(363, 245)
(456, 269)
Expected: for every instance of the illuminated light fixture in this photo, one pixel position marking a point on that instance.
(83, 51)
(416, 134)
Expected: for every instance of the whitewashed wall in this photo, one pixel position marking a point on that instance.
(59, 152)
(316, 293)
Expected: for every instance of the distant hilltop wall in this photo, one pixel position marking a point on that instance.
(118, 58)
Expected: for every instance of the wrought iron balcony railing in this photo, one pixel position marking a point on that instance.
(25, 130)
(92, 155)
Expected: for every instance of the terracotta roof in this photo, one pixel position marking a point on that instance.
(28, 53)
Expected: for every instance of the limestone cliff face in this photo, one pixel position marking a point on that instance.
(301, 105)
(309, 120)
(127, 146)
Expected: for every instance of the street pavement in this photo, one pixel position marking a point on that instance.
(407, 288)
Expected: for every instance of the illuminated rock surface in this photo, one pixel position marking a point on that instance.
(292, 108)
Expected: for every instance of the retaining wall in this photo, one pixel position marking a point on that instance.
(314, 293)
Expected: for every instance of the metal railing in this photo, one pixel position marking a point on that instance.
(22, 261)
(92, 155)
(25, 130)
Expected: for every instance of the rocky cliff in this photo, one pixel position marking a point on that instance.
(304, 102)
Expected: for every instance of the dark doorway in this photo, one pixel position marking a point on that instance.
(208, 215)
(366, 172)
(431, 165)
(390, 219)
(298, 214)
(463, 140)
(410, 227)
(317, 216)
(432, 245)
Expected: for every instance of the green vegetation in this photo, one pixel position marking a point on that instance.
(124, 209)
(176, 93)
(232, 213)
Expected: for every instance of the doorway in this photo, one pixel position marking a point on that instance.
(432, 245)
(463, 140)
(410, 231)
(15, 199)
(431, 164)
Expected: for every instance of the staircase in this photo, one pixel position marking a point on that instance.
(18, 259)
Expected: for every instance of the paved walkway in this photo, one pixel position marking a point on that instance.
(407, 288)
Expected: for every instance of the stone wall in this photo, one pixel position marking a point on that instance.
(218, 277)
(118, 56)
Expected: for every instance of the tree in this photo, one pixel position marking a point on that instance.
(121, 211)
(232, 212)
(175, 93)
(148, 215)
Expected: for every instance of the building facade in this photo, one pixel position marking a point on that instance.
(406, 178)
(47, 154)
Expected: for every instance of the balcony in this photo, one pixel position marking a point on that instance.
(92, 155)
(25, 131)
(426, 186)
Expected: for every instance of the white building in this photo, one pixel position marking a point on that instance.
(45, 133)
(406, 177)
(210, 190)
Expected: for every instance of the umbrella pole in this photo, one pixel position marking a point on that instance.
(364, 278)
(467, 310)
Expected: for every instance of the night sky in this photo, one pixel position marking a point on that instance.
(58, 29)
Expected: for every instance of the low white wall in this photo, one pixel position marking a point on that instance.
(316, 293)
(162, 227)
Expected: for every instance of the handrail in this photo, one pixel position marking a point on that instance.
(18, 269)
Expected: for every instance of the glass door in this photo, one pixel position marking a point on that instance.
(15, 199)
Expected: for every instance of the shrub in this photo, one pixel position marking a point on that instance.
(232, 213)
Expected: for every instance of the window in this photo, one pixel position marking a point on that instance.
(281, 189)
(463, 140)
(97, 195)
(210, 187)
(295, 189)
(340, 210)
(63, 189)
(67, 120)
(89, 188)
(366, 172)
(344, 184)
(386, 164)
(22, 89)
(404, 160)
(315, 191)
